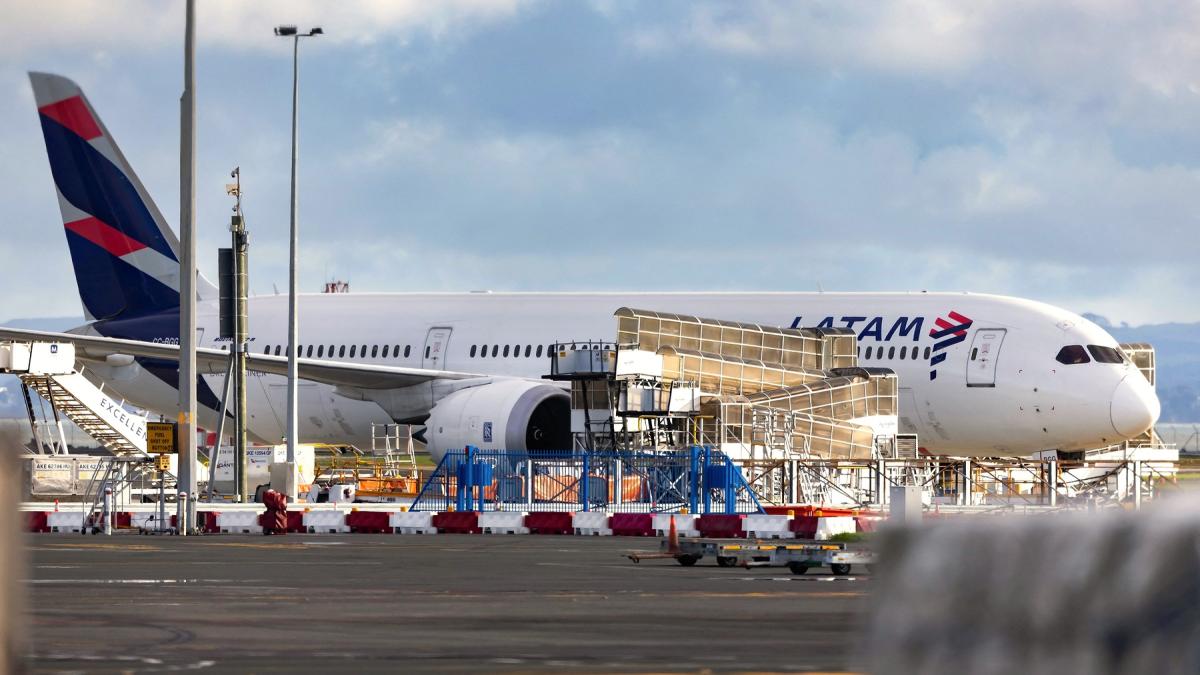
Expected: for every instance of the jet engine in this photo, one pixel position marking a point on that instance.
(503, 415)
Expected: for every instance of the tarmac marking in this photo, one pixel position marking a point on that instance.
(140, 581)
(264, 545)
(105, 547)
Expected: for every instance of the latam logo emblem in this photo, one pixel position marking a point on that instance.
(947, 335)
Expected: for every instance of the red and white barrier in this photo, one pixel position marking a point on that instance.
(332, 519)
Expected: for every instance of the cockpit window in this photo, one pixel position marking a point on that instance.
(1106, 354)
(1072, 354)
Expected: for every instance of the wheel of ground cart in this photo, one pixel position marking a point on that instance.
(797, 567)
(839, 569)
(726, 561)
(688, 560)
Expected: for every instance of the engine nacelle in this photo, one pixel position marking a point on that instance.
(503, 415)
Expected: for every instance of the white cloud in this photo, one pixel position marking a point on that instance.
(148, 25)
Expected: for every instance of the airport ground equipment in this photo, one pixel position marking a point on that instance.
(696, 479)
(768, 397)
(48, 368)
(798, 556)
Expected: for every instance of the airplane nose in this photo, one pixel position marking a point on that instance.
(1135, 406)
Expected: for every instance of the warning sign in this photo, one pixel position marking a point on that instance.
(160, 438)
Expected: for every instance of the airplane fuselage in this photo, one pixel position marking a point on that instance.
(978, 373)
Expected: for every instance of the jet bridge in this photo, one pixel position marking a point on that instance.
(48, 369)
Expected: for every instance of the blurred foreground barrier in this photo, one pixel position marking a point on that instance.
(13, 567)
(1109, 592)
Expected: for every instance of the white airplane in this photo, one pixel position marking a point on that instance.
(980, 375)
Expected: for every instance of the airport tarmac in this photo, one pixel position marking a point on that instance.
(432, 603)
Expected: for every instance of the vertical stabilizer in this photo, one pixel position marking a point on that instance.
(125, 256)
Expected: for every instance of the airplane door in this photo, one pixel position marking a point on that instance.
(437, 341)
(981, 360)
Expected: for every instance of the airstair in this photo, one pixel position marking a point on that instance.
(48, 368)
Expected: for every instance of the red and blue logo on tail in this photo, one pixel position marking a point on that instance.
(123, 252)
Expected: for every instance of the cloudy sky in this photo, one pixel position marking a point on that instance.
(1041, 149)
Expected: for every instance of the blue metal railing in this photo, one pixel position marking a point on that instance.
(699, 479)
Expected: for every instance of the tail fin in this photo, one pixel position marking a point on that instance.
(125, 256)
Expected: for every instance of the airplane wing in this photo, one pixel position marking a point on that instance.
(361, 375)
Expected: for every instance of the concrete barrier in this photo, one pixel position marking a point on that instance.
(632, 524)
(591, 523)
(457, 522)
(35, 521)
(758, 526)
(147, 520)
(721, 525)
(503, 522)
(239, 522)
(325, 521)
(805, 527)
(368, 522)
(412, 522)
(65, 521)
(550, 522)
(828, 527)
(685, 524)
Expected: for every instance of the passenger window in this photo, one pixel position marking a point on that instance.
(407, 350)
(352, 350)
(903, 353)
(363, 352)
(331, 350)
(869, 350)
(474, 348)
(927, 353)
(505, 350)
(495, 350)
(321, 351)
(528, 348)
(267, 349)
(539, 351)
(974, 352)
(516, 351)
(374, 351)
(426, 351)
(1106, 354)
(309, 352)
(891, 352)
(484, 352)
(276, 350)
(341, 351)
(1072, 354)
(385, 350)
(916, 350)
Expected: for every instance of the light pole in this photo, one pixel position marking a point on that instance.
(292, 376)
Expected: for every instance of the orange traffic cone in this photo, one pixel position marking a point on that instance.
(672, 538)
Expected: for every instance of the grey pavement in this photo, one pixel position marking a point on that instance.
(449, 603)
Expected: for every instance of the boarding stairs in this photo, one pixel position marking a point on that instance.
(48, 368)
